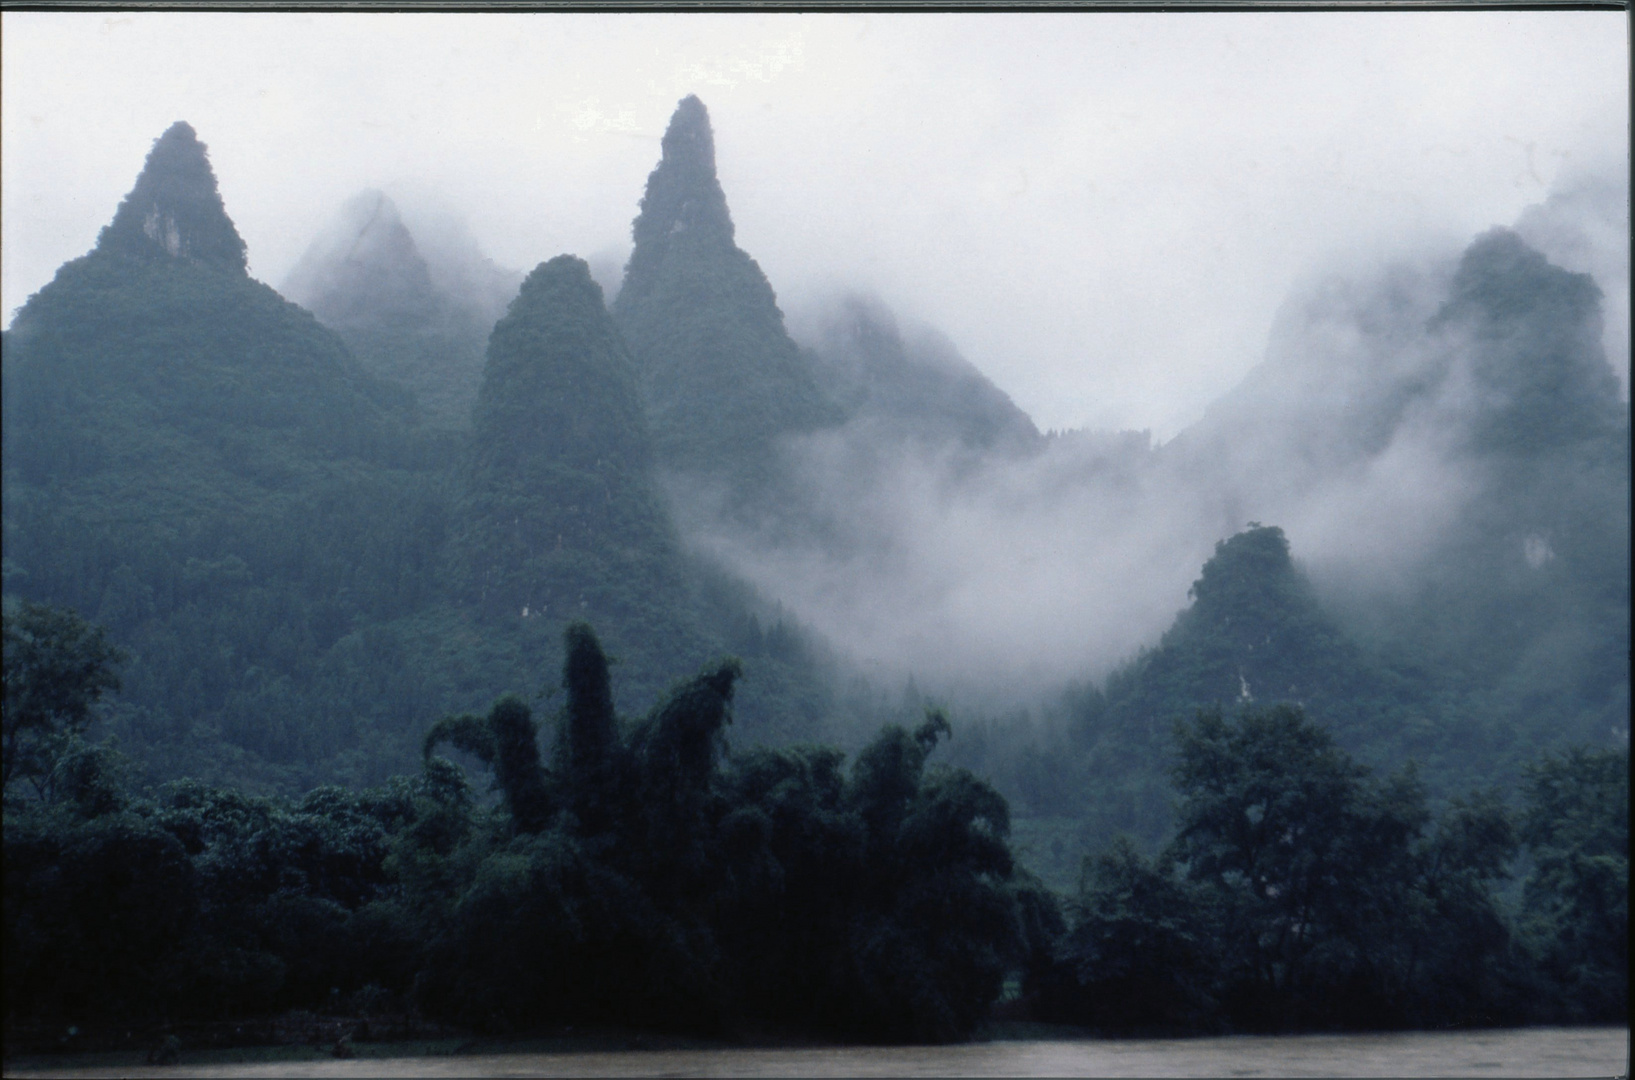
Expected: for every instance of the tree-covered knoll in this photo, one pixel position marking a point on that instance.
(560, 472)
(1257, 634)
(1254, 632)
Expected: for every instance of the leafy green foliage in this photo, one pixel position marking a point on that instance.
(1138, 956)
(93, 909)
(1297, 892)
(1290, 842)
(1577, 898)
(56, 667)
(689, 887)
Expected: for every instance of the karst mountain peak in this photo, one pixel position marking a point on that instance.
(684, 198)
(175, 208)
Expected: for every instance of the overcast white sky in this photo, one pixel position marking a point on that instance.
(1103, 211)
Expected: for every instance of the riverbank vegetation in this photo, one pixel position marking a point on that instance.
(618, 871)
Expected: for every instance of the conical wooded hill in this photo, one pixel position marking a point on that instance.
(719, 374)
(561, 517)
(158, 346)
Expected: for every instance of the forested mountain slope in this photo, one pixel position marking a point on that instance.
(305, 575)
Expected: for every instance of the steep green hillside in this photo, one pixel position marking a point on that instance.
(559, 519)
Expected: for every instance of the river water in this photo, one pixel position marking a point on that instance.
(1545, 1052)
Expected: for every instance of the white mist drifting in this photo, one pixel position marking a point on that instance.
(1010, 573)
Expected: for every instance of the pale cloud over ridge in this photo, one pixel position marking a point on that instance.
(1103, 211)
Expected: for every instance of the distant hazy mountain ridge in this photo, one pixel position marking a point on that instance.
(423, 322)
(917, 386)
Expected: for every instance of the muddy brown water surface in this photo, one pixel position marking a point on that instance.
(1543, 1052)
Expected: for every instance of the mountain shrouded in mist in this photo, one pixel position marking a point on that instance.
(1255, 634)
(1529, 598)
(367, 268)
(304, 575)
(560, 512)
(420, 320)
(1540, 376)
(914, 386)
(1255, 631)
(175, 208)
(721, 378)
(1447, 448)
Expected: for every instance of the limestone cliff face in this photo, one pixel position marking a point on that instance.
(175, 209)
